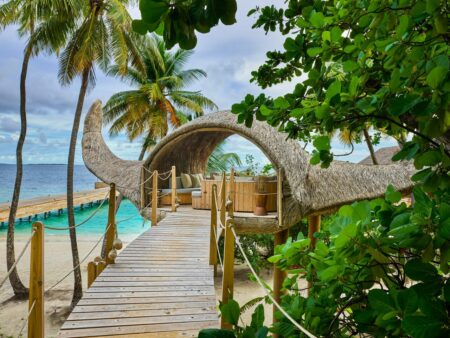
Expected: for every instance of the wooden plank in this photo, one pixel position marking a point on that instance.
(138, 313)
(161, 285)
(144, 307)
(122, 330)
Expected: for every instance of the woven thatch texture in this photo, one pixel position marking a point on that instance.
(307, 189)
(103, 163)
(383, 155)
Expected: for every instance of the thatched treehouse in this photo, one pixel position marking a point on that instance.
(306, 190)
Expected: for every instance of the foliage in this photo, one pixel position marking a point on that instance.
(380, 268)
(160, 97)
(177, 21)
(394, 61)
(231, 313)
(221, 161)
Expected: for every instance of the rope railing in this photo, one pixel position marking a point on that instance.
(27, 244)
(81, 262)
(261, 284)
(28, 317)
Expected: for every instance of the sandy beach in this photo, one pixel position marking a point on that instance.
(58, 262)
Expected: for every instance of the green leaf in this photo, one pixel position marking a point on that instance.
(419, 271)
(392, 196)
(317, 19)
(329, 273)
(265, 111)
(418, 326)
(322, 143)
(281, 103)
(230, 311)
(258, 317)
(314, 51)
(333, 89)
(347, 234)
(402, 25)
(153, 11)
(322, 111)
(436, 76)
(350, 66)
(139, 27)
(381, 301)
(215, 333)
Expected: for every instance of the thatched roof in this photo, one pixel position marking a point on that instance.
(307, 189)
(383, 155)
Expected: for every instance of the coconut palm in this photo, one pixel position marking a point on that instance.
(46, 23)
(103, 35)
(221, 161)
(159, 99)
(347, 137)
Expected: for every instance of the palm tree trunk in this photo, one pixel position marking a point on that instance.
(370, 146)
(19, 289)
(78, 287)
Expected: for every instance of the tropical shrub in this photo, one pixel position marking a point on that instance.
(380, 268)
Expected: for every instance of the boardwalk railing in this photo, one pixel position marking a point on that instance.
(224, 225)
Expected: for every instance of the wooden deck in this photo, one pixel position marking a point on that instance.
(161, 285)
(40, 205)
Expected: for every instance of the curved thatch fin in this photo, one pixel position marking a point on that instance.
(103, 163)
(344, 183)
(307, 189)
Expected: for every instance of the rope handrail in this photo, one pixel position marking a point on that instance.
(81, 262)
(26, 320)
(83, 222)
(33, 232)
(139, 185)
(217, 238)
(261, 284)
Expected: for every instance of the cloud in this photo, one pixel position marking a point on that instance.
(9, 124)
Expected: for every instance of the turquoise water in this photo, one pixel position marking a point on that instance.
(44, 180)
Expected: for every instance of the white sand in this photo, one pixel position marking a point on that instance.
(58, 261)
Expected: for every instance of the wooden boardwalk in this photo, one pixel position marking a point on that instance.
(40, 205)
(161, 285)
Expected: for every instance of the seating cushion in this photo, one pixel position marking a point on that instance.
(196, 180)
(179, 183)
(180, 191)
(186, 180)
(197, 193)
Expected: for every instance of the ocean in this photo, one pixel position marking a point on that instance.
(50, 179)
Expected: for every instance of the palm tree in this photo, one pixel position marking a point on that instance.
(159, 99)
(31, 17)
(347, 137)
(103, 34)
(221, 161)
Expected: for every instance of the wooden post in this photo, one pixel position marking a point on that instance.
(111, 226)
(228, 267)
(213, 230)
(313, 226)
(155, 198)
(280, 197)
(142, 188)
(223, 198)
(174, 189)
(278, 275)
(232, 189)
(99, 268)
(91, 273)
(36, 295)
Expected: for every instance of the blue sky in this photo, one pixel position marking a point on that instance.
(228, 54)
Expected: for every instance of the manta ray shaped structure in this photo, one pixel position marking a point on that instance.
(307, 189)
